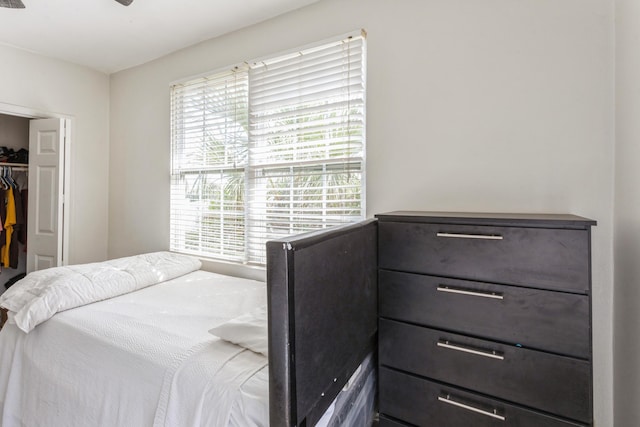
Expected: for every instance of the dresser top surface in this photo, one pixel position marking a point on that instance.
(486, 218)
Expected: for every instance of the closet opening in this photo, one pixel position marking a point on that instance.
(34, 171)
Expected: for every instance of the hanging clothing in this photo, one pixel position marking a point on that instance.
(9, 222)
(22, 237)
(14, 247)
(21, 195)
(3, 217)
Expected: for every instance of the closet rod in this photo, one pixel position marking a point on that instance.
(16, 166)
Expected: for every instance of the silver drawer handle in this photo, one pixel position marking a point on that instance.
(471, 236)
(445, 288)
(457, 347)
(493, 414)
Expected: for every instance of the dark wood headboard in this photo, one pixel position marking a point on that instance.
(3, 316)
(322, 294)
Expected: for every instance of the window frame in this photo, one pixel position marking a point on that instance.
(252, 169)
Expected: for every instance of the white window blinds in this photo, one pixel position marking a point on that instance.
(268, 149)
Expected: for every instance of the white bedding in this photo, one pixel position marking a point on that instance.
(44, 293)
(151, 363)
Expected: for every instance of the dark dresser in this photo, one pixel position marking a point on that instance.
(484, 320)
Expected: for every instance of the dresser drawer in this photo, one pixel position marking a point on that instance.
(425, 403)
(547, 320)
(558, 384)
(535, 257)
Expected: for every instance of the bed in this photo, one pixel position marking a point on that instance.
(175, 350)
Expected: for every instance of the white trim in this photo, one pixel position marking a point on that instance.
(20, 111)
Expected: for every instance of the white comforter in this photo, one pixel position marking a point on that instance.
(140, 359)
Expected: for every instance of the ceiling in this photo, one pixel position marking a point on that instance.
(109, 37)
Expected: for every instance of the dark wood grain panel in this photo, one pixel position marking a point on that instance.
(540, 220)
(322, 311)
(555, 259)
(541, 319)
(551, 383)
(415, 400)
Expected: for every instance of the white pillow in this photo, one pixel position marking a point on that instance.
(248, 331)
(43, 293)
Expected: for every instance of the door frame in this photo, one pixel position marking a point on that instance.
(31, 113)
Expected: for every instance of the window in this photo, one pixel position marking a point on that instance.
(268, 149)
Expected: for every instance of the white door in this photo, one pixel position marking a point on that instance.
(45, 216)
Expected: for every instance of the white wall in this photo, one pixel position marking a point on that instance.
(14, 132)
(627, 215)
(44, 85)
(475, 106)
